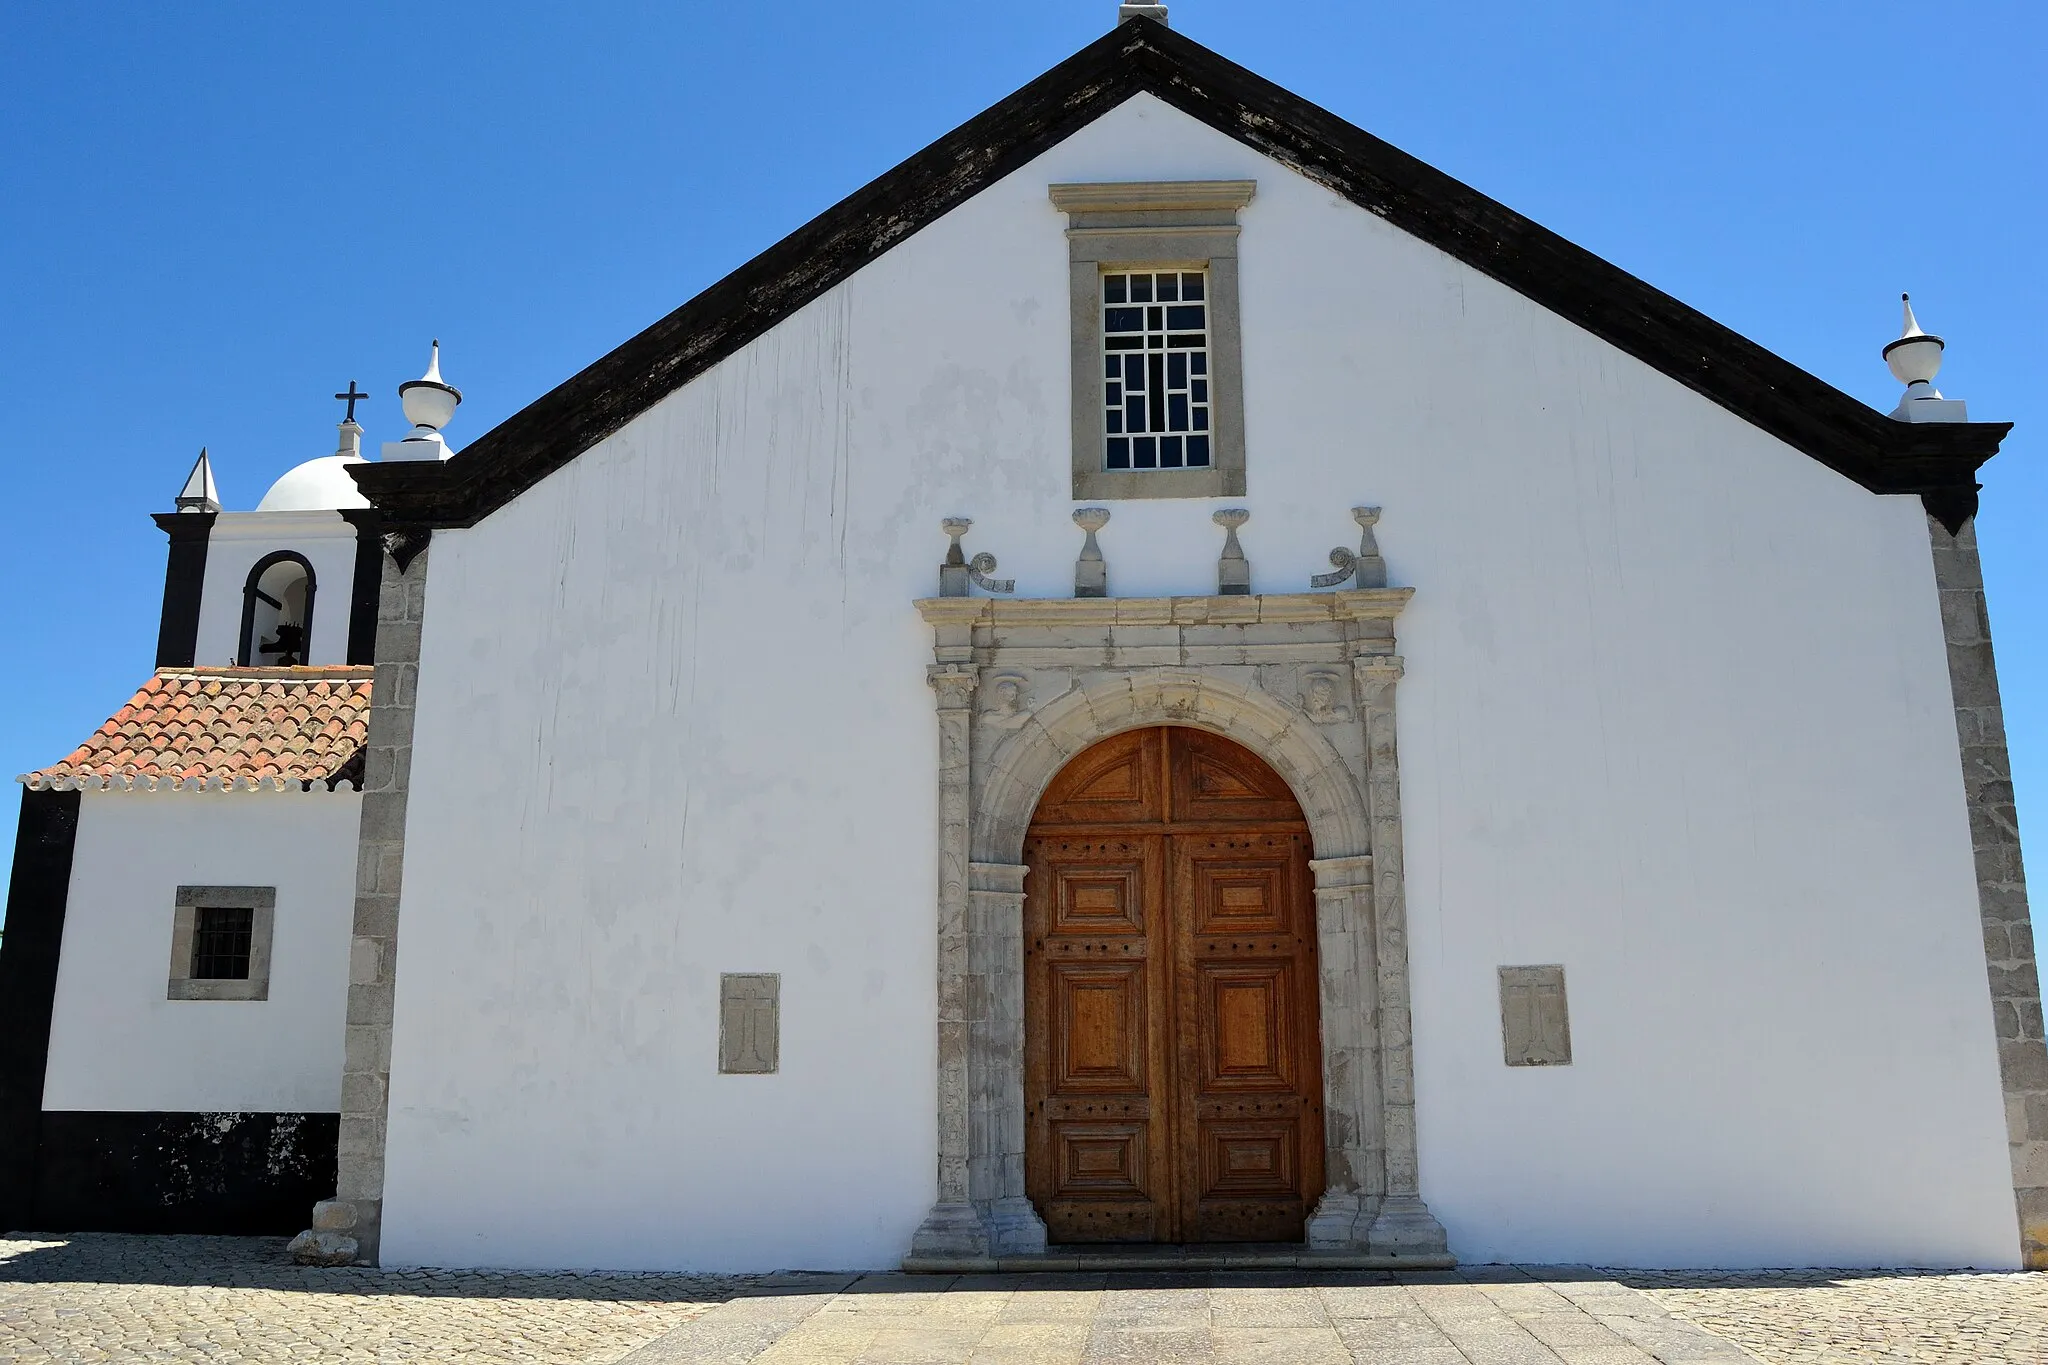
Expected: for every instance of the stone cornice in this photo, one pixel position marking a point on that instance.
(1149, 196)
(1298, 608)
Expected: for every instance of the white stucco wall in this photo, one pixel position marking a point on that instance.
(239, 539)
(1676, 715)
(115, 1042)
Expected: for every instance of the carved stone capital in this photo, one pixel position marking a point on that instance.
(955, 685)
(1377, 674)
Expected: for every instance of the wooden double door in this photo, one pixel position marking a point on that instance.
(1172, 1071)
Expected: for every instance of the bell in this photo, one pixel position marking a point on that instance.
(289, 644)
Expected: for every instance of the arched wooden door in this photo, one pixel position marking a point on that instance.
(1172, 1069)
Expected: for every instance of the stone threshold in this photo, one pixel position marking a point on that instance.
(1159, 1256)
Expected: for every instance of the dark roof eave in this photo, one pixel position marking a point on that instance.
(1936, 460)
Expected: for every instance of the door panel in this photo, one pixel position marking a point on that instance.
(1092, 987)
(1098, 1018)
(1250, 1075)
(1245, 1026)
(1120, 781)
(1173, 1085)
(1214, 779)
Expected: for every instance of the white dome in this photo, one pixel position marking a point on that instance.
(321, 485)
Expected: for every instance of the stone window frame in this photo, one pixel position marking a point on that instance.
(260, 899)
(1161, 225)
(1086, 669)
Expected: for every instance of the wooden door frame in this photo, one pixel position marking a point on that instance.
(1306, 682)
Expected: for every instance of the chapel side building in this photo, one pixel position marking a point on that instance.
(174, 977)
(886, 766)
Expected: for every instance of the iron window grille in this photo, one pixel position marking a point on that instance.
(1155, 367)
(222, 937)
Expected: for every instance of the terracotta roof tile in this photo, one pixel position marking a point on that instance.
(220, 726)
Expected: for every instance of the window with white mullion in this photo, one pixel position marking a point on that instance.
(1155, 359)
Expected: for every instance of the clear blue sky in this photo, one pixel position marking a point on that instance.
(214, 216)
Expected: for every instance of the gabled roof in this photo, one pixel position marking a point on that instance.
(1937, 460)
(219, 728)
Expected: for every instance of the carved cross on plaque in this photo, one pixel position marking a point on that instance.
(749, 1023)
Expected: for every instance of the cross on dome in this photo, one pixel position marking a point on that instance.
(352, 397)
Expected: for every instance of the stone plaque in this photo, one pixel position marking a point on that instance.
(749, 1023)
(1535, 1028)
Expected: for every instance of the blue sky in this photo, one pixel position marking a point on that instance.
(214, 216)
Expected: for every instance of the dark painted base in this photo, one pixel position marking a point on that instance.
(227, 1174)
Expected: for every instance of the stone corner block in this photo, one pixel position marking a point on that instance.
(334, 1215)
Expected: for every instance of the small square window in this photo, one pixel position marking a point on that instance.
(220, 943)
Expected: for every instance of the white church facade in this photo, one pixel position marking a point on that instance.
(1164, 673)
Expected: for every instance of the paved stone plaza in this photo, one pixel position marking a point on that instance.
(104, 1298)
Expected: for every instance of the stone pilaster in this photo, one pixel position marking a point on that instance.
(1404, 1225)
(996, 1028)
(348, 1227)
(2001, 878)
(954, 1227)
(1354, 1155)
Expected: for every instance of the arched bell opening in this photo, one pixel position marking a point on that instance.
(1172, 1045)
(277, 611)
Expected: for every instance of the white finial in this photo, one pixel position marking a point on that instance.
(1914, 359)
(429, 401)
(1912, 324)
(199, 494)
(1155, 12)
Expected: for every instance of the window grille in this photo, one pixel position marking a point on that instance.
(221, 939)
(1155, 366)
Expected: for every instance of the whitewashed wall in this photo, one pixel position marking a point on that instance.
(1676, 716)
(239, 539)
(116, 1042)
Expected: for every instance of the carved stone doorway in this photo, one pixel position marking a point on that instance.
(1303, 681)
(1172, 1070)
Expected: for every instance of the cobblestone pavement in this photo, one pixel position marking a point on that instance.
(1860, 1317)
(105, 1298)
